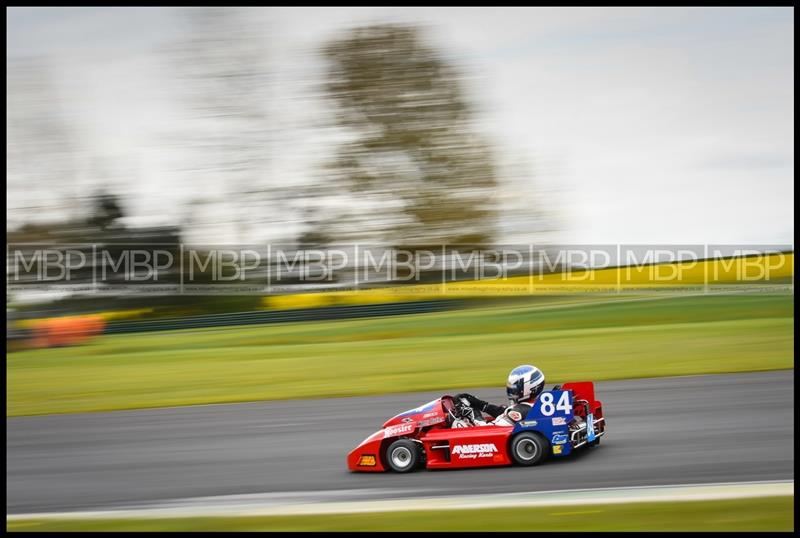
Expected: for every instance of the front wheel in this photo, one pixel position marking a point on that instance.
(529, 448)
(403, 455)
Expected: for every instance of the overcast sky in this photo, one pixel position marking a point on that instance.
(660, 125)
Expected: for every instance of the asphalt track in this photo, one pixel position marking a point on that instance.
(686, 430)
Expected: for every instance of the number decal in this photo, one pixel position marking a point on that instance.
(563, 403)
(548, 407)
(547, 404)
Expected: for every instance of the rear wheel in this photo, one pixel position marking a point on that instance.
(403, 455)
(529, 448)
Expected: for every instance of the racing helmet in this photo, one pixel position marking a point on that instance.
(525, 382)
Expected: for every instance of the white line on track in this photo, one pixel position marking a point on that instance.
(287, 503)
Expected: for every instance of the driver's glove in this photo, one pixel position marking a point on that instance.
(473, 401)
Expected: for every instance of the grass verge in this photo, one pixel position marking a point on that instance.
(595, 340)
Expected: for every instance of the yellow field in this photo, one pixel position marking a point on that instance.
(740, 271)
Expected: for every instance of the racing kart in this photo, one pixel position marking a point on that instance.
(442, 434)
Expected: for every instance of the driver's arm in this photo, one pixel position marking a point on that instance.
(490, 409)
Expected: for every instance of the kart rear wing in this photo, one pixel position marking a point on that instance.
(590, 409)
(583, 392)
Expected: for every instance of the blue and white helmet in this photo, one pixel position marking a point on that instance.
(525, 382)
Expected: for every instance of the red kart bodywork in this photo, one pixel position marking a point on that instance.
(480, 446)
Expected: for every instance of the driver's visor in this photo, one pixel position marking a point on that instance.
(514, 390)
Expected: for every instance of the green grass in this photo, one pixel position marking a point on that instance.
(595, 340)
(757, 514)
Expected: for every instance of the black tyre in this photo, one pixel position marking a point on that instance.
(529, 448)
(403, 455)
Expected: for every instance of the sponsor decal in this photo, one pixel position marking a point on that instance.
(529, 423)
(430, 421)
(557, 449)
(471, 452)
(559, 421)
(559, 438)
(431, 414)
(516, 416)
(590, 435)
(400, 429)
(407, 419)
(367, 460)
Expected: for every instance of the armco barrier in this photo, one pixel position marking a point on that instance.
(281, 316)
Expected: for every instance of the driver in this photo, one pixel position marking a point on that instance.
(524, 385)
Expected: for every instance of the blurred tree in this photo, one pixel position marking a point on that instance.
(41, 151)
(106, 211)
(417, 166)
(221, 65)
(314, 235)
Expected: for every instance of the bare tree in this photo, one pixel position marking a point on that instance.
(417, 155)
